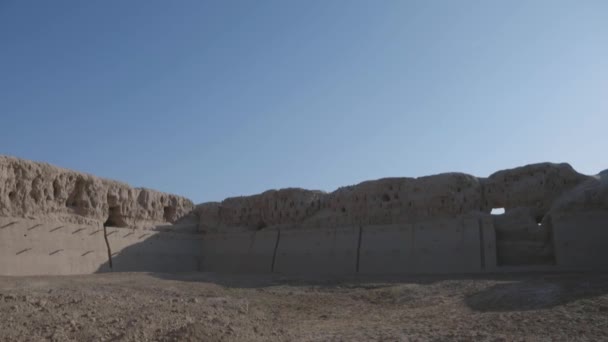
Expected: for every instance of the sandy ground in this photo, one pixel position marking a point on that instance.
(208, 307)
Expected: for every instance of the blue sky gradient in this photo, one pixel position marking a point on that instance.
(210, 99)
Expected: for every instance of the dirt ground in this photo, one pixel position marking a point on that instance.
(208, 307)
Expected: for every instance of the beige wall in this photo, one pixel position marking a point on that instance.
(32, 247)
(580, 240)
(456, 246)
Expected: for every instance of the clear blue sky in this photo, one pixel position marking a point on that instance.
(210, 99)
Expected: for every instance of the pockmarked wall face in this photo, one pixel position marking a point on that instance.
(39, 190)
(396, 200)
(536, 217)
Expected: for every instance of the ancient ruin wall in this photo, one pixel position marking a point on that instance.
(394, 215)
(396, 200)
(39, 190)
(58, 221)
(555, 219)
(535, 186)
(37, 247)
(273, 207)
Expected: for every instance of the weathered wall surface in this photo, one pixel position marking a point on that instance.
(535, 187)
(35, 247)
(31, 247)
(451, 246)
(271, 208)
(579, 220)
(153, 251)
(401, 200)
(39, 190)
(523, 240)
(318, 252)
(395, 200)
(387, 249)
(581, 241)
(447, 247)
(245, 252)
(434, 224)
(52, 223)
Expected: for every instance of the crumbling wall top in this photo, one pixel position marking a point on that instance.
(32, 189)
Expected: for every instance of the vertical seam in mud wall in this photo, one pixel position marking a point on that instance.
(482, 195)
(274, 254)
(482, 251)
(359, 249)
(105, 237)
(552, 241)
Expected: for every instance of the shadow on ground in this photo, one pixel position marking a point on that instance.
(538, 292)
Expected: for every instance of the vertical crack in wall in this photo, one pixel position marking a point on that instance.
(105, 237)
(482, 196)
(274, 254)
(359, 249)
(551, 240)
(482, 250)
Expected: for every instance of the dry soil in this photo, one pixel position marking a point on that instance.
(208, 307)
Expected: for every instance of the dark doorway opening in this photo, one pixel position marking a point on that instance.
(115, 218)
(169, 214)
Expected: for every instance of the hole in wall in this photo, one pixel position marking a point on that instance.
(56, 189)
(261, 225)
(12, 195)
(386, 198)
(169, 214)
(115, 218)
(497, 211)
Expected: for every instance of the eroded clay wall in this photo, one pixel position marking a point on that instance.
(52, 222)
(402, 200)
(448, 246)
(39, 190)
(580, 225)
(246, 252)
(523, 240)
(535, 187)
(34, 247)
(318, 251)
(134, 250)
(581, 240)
(395, 200)
(416, 224)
